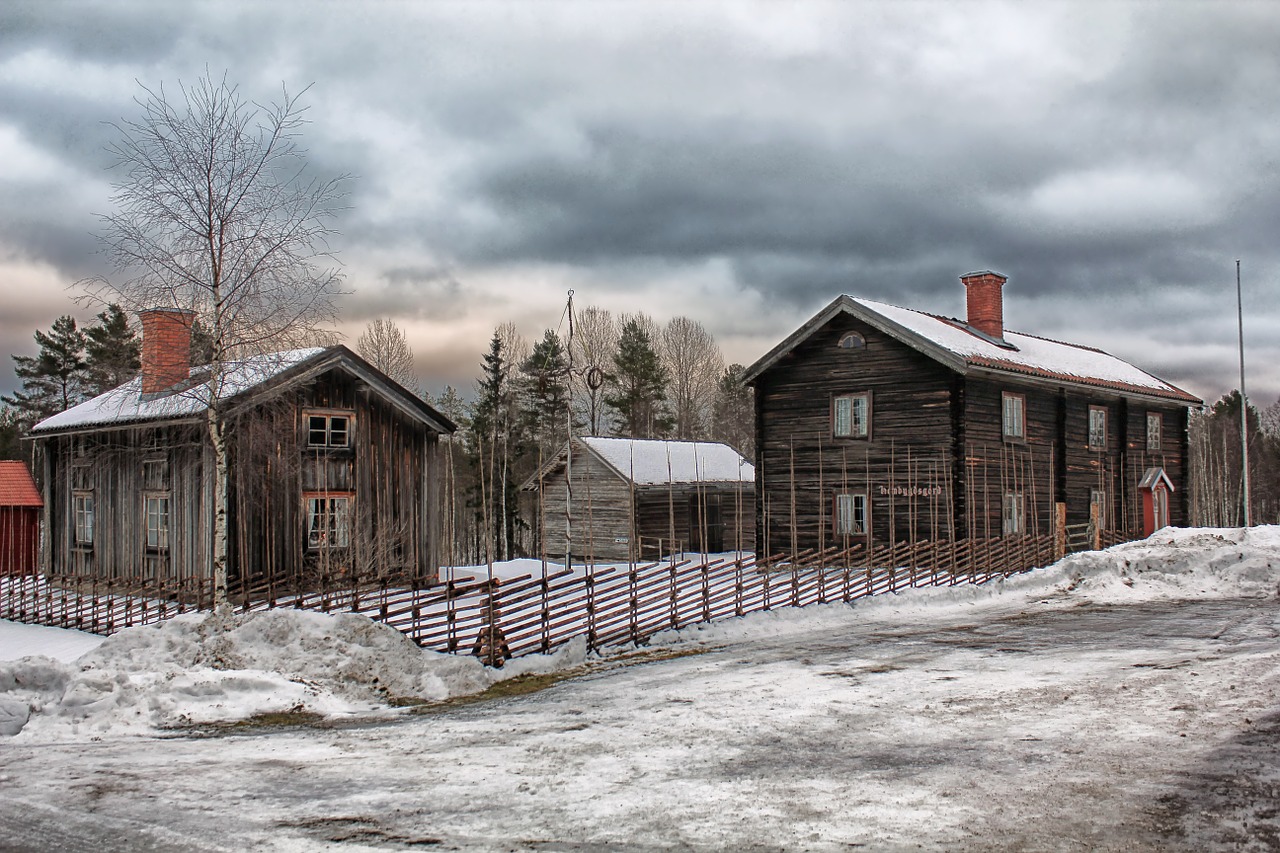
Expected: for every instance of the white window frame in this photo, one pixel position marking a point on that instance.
(1155, 431)
(328, 519)
(848, 507)
(321, 431)
(1013, 416)
(82, 512)
(1098, 498)
(1013, 514)
(845, 420)
(1097, 428)
(156, 512)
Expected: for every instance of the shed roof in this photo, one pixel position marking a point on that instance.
(127, 404)
(956, 345)
(17, 488)
(650, 462)
(654, 462)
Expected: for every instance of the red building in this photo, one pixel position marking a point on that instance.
(20, 507)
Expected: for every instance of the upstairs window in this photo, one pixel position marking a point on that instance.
(1097, 428)
(328, 430)
(851, 415)
(328, 521)
(1014, 420)
(851, 514)
(82, 507)
(1155, 431)
(852, 340)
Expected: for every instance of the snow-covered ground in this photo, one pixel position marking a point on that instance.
(1123, 700)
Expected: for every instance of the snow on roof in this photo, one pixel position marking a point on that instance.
(648, 462)
(1030, 354)
(127, 403)
(16, 486)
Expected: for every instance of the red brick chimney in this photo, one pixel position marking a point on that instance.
(166, 348)
(984, 302)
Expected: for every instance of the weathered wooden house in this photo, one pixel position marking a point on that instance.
(333, 471)
(20, 506)
(616, 499)
(879, 423)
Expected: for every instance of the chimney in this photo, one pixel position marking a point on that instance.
(984, 302)
(166, 348)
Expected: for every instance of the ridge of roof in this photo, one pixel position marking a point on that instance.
(953, 343)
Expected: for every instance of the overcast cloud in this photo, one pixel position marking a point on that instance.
(740, 164)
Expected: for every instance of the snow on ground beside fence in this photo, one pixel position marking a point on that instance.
(187, 670)
(181, 672)
(19, 641)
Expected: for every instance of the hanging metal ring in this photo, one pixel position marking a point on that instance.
(595, 378)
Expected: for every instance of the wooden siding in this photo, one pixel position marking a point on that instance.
(904, 466)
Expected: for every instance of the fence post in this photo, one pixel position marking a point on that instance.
(1059, 531)
(1095, 529)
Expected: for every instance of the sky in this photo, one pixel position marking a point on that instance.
(740, 164)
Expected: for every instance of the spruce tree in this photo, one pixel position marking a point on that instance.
(544, 394)
(733, 412)
(637, 386)
(494, 441)
(54, 380)
(112, 351)
(11, 436)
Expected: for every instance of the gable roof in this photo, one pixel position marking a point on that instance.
(1153, 477)
(243, 382)
(653, 462)
(954, 344)
(17, 488)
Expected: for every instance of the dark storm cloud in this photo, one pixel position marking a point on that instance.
(1112, 159)
(420, 293)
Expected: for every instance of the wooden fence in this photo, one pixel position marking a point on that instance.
(495, 619)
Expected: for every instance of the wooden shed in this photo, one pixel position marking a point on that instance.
(20, 506)
(876, 423)
(633, 499)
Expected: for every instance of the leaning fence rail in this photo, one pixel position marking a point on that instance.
(499, 618)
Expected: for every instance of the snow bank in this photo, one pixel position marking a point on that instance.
(19, 641)
(1172, 564)
(199, 668)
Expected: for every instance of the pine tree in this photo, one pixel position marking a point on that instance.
(201, 344)
(54, 380)
(733, 413)
(637, 386)
(494, 442)
(112, 351)
(544, 394)
(11, 436)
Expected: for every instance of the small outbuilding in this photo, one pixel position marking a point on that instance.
(616, 499)
(20, 507)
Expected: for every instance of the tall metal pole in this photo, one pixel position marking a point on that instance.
(568, 452)
(1244, 406)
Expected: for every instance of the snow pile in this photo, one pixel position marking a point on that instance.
(1172, 564)
(64, 644)
(199, 668)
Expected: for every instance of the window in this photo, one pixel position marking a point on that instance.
(1014, 420)
(851, 416)
(328, 521)
(852, 340)
(1098, 499)
(156, 512)
(1014, 520)
(328, 430)
(851, 515)
(82, 507)
(1155, 430)
(1097, 428)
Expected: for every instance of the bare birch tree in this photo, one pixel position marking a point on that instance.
(595, 340)
(217, 213)
(384, 345)
(694, 366)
